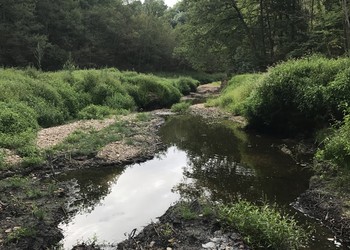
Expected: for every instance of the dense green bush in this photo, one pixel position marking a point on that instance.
(180, 107)
(264, 226)
(299, 96)
(337, 146)
(151, 92)
(95, 112)
(234, 96)
(186, 85)
(16, 118)
(29, 98)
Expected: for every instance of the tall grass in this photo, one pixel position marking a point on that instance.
(30, 99)
(264, 227)
(337, 146)
(234, 96)
(301, 96)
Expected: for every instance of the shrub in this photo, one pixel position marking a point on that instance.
(120, 101)
(150, 92)
(264, 226)
(16, 118)
(181, 107)
(47, 114)
(234, 97)
(337, 146)
(95, 112)
(186, 85)
(295, 96)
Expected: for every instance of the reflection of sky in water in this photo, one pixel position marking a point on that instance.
(140, 194)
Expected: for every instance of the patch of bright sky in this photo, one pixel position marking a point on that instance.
(170, 3)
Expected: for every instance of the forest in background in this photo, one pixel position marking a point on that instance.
(226, 36)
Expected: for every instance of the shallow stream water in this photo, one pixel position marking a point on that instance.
(217, 159)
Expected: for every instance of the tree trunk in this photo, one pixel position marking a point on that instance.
(246, 28)
(346, 25)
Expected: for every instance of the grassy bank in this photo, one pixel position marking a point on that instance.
(306, 97)
(30, 99)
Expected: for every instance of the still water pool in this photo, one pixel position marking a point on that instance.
(217, 159)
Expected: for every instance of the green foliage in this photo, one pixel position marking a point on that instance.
(143, 117)
(95, 112)
(20, 233)
(151, 92)
(234, 97)
(186, 85)
(15, 182)
(337, 146)
(88, 143)
(264, 226)
(31, 98)
(299, 96)
(16, 118)
(181, 107)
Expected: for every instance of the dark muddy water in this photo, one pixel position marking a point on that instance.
(216, 159)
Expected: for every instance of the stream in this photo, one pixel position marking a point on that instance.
(217, 159)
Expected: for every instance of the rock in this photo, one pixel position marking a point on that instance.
(9, 230)
(169, 248)
(152, 244)
(209, 245)
(216, 240)
(16, 228)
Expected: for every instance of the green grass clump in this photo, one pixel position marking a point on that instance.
(301, 96)
(30, 99)
(180, 107)
(337, 146)
(235, 95)
(264, 226)
(95, 112)
(88, 143)
(186, 85)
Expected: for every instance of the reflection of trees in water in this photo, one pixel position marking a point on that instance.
(225, 178)
(93, 186)
(195, 136)
(229, 162)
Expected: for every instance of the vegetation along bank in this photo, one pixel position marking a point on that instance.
(307, 99)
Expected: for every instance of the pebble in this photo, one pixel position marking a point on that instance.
(9, 230)
(227, 241)
(209, 245)
(152, 244)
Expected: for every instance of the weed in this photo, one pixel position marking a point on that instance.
(84, 143)
(264, 226)
(38, 213)
(185, 211)
(144, 117)
(234, 97)
(20, 233)
(15, 182)
(95, 112)
(35, 193)
(181, 107)
(166, 229)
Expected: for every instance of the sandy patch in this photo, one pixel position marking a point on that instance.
(49, 137)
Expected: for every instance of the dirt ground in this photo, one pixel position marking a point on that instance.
(32, 201)
(173, 231)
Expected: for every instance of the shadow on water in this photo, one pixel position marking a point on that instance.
(217, 158)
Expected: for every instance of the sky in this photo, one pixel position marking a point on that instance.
(170, 3)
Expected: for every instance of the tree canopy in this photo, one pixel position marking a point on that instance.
(226, 35)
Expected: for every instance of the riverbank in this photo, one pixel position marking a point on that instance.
(33, 202)
(329, 204)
